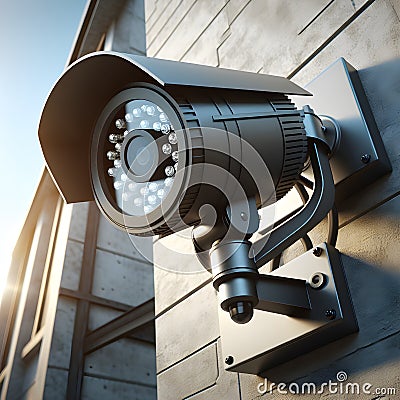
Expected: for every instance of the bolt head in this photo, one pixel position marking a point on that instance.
(243, 216)
(317, 252)
(229, 360)
(330, 314)
(366, 158)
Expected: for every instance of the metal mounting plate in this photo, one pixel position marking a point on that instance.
(270, 339)
(360, 157)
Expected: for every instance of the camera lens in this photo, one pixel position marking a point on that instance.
(241, 312)
(140, 154)
(142, 158)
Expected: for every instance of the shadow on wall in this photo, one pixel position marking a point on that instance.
(376, 297)
(382, 86)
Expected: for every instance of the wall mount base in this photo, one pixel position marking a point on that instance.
(270, 339)
(359, 156)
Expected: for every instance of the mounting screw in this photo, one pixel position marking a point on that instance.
(317, 252)
(324, 128)
(229, 360)
(330, 314)
(243, 215)
(366, 158)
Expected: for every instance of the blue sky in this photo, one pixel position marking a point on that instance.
(35, 41)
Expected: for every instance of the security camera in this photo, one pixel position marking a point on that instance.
(154, 141)
(162, 146)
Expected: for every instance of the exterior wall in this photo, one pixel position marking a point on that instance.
(73, 275)
(29, 303)
(121, 279)
(42, 308)
(296, 41)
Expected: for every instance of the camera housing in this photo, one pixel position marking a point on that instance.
(194, 102)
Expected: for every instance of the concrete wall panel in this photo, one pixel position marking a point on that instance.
(164, 19)
(374, 237)
(72, 265)
(129, 31)
(122, 279)
(205, 49)
(56, 384)
(60, 352)
(396, 6)
(99, 316)
(177, 272)
(77, 228)
(185, 328)
(277, 36)
(126, 359)
(226, 387)
(200, 376)
(119, 242)
(97, 388)
(192, 375)
(186, 31)
(170, 286)
(150, 7)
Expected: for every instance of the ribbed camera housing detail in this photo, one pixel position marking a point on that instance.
(295, 146)
(292, 145)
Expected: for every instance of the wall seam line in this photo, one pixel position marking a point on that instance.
(114, 379)
(65, 369)
(239, 387)
(366, 346)
(227, 33)
(372, 208)
(315, 17)
(174, 30)
(198, 350)
(162, 27)
(331, 38)
(200, 391)
(395, 11)
(203, 31)
(181, 299)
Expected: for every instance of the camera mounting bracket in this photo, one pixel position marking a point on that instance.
(358, 155)
(234, 261)
(270, 338)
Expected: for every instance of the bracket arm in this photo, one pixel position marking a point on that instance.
(318, 206)
(283, 295)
